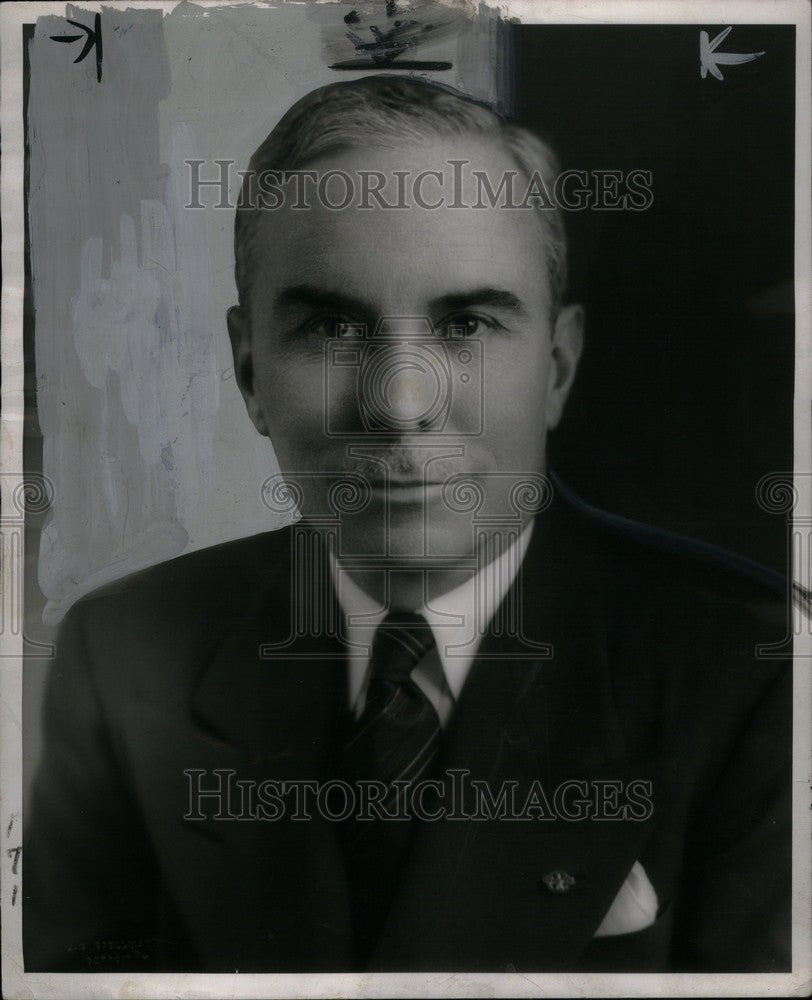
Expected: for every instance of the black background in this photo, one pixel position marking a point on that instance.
(684, 399)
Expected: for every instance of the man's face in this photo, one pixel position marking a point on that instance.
(462, 379)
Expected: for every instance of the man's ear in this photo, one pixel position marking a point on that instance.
(239, 332)
(567, 344)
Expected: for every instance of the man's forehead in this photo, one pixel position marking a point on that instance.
(372, 246)
(400, 265)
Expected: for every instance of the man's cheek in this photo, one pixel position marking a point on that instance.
(295, 397)
(515, 434)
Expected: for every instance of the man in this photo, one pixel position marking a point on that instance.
(559, 748)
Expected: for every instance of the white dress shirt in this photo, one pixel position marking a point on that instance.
(458, 620)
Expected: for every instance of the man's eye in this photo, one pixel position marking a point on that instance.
(331, 326)
(468, 324)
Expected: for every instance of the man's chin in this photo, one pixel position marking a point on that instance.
(408, 535)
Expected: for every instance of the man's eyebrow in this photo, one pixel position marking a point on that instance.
(313, 297)
(496, 298)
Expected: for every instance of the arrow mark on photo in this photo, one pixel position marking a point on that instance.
(710, 59)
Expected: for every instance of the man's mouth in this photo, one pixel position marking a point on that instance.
(404, 476)
(414, 480)
(406, 491)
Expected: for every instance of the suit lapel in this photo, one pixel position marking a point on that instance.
(275, 893)
(474, 895)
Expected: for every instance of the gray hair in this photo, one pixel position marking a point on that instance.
(391, 112)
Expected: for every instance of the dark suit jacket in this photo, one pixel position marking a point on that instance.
(653, 676)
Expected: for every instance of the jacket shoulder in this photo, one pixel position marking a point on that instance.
(185, 599)
(697, 641)
(154, 629)
(215, 571)
(676, 569)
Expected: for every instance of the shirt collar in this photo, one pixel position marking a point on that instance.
(458, 618)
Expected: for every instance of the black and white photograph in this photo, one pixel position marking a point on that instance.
(406, 499)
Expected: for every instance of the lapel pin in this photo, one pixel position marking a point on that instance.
(558, 882)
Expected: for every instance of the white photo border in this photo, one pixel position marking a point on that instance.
(19, 984)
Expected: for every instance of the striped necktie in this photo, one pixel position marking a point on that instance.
(396, 738)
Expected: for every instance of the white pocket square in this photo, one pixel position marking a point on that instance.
(634, 907)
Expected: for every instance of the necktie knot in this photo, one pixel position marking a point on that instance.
(401, 641)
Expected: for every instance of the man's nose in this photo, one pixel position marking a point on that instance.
(402, 387)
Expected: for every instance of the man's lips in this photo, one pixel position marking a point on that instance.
(406, 490)
(406, 465)
(399, 481)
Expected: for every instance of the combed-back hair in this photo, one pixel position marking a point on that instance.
(391, 112)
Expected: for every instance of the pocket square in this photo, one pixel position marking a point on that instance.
(634, 908)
